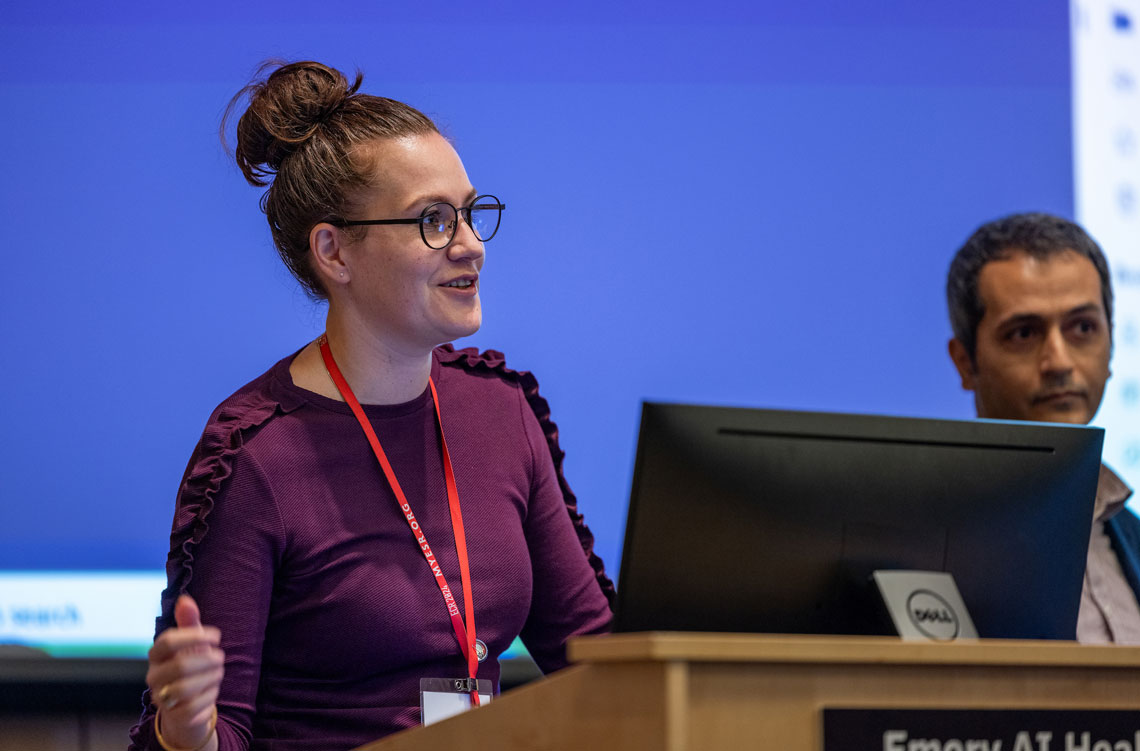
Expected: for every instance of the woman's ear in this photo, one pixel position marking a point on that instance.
(326, 247)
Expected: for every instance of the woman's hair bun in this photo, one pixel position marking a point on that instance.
(300, 134)
(286, 107)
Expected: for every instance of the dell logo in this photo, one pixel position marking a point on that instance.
(932, 615)
(938, 615)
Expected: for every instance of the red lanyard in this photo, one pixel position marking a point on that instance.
(465, 635)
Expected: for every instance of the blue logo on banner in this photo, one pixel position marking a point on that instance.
(1121, 21)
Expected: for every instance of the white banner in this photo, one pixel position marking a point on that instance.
(80, 613)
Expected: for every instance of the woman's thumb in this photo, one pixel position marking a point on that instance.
(186, 613)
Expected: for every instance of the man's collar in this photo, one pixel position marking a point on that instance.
(1111, 493)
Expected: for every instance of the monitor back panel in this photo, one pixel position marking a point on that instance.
(772, 521)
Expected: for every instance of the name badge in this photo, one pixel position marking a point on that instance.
(441, 698)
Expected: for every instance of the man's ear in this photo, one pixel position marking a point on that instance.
(963, 362)
(326, 249)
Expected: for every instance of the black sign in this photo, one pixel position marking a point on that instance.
(980, 730)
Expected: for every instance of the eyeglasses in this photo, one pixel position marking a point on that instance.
(439, 221)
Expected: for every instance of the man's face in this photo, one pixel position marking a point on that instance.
(1043, 343)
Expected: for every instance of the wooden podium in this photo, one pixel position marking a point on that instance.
(689, 692)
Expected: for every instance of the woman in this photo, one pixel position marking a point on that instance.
(334, 569)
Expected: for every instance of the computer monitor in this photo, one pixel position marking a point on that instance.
(771, 521)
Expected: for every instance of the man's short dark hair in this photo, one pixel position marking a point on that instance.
(1039, 235)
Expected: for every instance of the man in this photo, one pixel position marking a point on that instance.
(1030, 302)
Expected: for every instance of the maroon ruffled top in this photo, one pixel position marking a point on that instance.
(291, 541)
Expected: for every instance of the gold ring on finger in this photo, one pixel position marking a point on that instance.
(165, 699)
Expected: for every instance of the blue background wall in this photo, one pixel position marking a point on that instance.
(749, 204)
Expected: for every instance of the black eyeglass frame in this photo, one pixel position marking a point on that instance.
(463, 213)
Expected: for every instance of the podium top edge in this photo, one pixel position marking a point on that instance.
(778, 648)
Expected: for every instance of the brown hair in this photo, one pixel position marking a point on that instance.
(299, 136)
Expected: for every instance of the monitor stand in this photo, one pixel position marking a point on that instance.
(925, 605)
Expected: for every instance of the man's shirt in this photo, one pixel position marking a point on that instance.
(1109, 612)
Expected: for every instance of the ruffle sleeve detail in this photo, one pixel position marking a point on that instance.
(209, 467)
(491, 361)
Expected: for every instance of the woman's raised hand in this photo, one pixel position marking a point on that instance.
(184, 676)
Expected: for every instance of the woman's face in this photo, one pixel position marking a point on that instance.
(412, 296)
